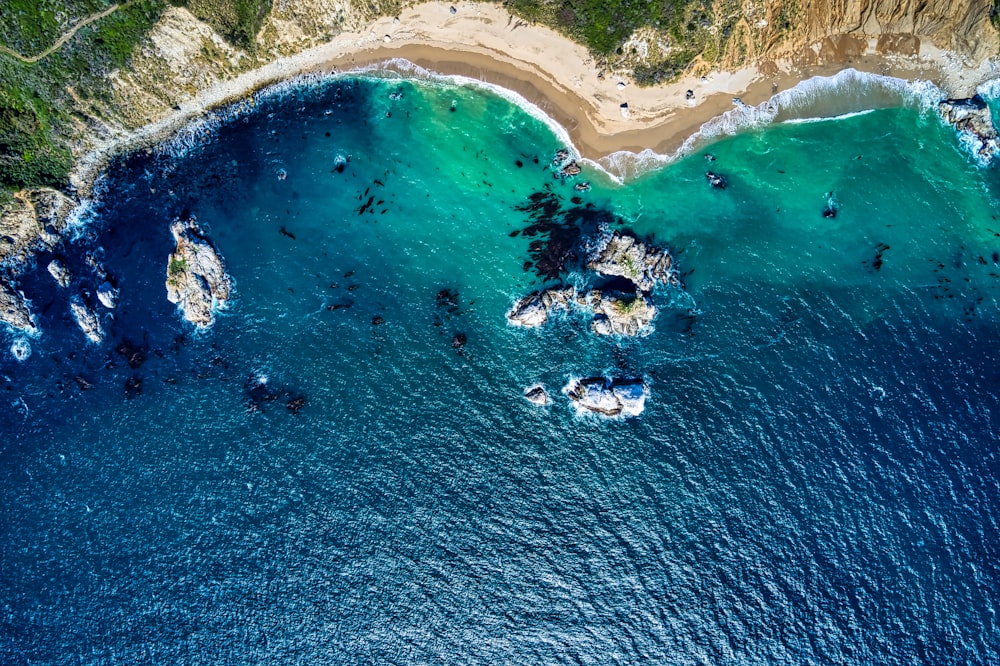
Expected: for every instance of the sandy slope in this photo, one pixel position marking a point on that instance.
(484, 42)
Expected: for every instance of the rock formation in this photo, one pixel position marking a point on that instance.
(32, 221)
(59, 272)
(621, 314)
(971, 116)
(196, 278)
(625, 256)
(107, 295)
(615, 313)
(625, 310)
(533, 310)
(14, 309)
(608, 397)
(537, 395)
(86, 319)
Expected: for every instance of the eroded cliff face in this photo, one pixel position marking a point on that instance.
(813, 31)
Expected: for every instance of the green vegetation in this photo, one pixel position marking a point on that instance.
(627, 305)
(36, 98)
(176, 267)
(238, 21)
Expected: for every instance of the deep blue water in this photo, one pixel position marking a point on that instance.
(814, 479)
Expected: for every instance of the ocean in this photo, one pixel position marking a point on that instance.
(814, 478)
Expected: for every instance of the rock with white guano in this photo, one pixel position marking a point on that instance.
(86, 319)
(59, 272)
(625, 256)
(107, 295)
(614, 397)
(618, 313)
(533, 310)
(196, 277)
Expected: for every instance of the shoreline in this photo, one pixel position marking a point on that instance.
(482, 42)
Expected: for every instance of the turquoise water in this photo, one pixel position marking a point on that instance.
(814, 479)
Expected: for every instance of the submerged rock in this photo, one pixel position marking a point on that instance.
(86, 319)
(625, 256)
(107, 295)
(14, 309)
(20, 348)
(621, 314)
(537, 395)
(533, 310)
(196, 277)
(716, 180)
(971, 116)
(613, 397)
(60, 273)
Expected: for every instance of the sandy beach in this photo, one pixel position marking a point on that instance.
(485, 43)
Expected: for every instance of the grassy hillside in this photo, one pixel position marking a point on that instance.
(36, 117)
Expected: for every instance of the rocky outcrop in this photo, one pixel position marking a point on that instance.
(625, 310)
(59, 272)
(608, 397)
(971, 117)
(537, 395)
(625, 256)
(196, 277)
(14, 310)
(615, 313)
(621, 314)
(31, 221)
(86, 319)
(533, 310)
(107, 294)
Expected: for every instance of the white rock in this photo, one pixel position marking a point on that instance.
(533, 310)
(631, 393)
(60, 273)
(196, 277)
(608, 397)
(107, 295)
(86, 319)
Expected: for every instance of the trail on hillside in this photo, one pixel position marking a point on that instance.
(65, 36)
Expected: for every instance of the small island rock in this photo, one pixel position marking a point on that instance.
(107, 295)
(86, 319)
(621, 314)
(196, 277)
(60, 273)
(537, 395)
(613, 397)
(533, 310)
(625, 256)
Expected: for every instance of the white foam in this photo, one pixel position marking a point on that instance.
(989, 89)
(843, 116)
(20, 348)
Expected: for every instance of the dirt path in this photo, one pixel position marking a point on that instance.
(64, 38)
